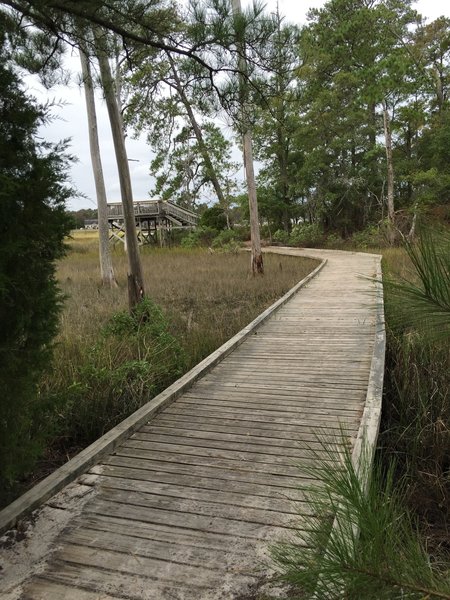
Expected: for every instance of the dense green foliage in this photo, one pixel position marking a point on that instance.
(33, 226)
(134, 358)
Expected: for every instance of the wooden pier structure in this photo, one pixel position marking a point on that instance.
(154, 220)
(182, 500)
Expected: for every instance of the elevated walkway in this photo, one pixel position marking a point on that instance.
(182, 500)
(154, 218)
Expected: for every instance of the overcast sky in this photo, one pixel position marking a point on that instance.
(71, 121)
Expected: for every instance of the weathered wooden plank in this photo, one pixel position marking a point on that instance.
(188, 479)
(299, 431)
(248, 435)
(215, 459)
(233, 527)
(292, 405)
(44, 589)
(333, 424)
(216, 448)
(302, 416)
(117, 583)
(219, 469)
(249, 499)
(193, 508)
(173, 551)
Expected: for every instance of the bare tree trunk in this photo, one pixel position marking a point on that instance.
(135, 277)
(106, 266)
(256, 258)
(412, 232)
(390, 172)
(198, 134)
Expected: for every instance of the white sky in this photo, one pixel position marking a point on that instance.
(72, 122)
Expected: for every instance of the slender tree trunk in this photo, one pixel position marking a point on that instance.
(390, 172)
(412, 232)
(257, 264)
(256, 260)
(198, 134)
(135, 277)
(106, 266)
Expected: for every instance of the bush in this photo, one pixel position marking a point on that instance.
(370, 237)
(334, 241)
(135, 358)
(281, 237)
(306, 234)
(213, 218)
(225, 238)
(201, 236)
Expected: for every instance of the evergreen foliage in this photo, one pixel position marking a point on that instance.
(33, 225)
(371, 552)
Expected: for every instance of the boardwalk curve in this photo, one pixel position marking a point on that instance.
(182, 503)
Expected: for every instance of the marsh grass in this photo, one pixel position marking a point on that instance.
(416, 415)
(197, 299)
(206, 297)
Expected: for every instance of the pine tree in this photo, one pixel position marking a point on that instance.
(33, 192)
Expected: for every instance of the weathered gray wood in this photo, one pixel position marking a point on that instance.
(184, 505)
(227, 469)
(81, 463)
(266, 489)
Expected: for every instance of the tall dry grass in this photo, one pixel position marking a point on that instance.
(207, 297)
(106, 364)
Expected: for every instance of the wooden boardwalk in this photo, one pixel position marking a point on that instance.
(185, 507)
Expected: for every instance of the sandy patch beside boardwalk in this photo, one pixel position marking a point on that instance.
(24, 551)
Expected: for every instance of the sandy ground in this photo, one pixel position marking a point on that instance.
(24, 551)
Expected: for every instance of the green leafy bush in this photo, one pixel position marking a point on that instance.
(201, 236)
(213, 218)
(225, 238)
(134, 359)
(281, 236)
(306, 234)
(370, 237)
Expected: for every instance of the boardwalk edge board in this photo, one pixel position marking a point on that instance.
(364, 448)
(366, 439)
(68, 472)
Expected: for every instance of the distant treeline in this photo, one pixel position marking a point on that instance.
(79, 216)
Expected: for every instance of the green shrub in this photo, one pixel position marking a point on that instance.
(201, 236)
(225, 238)
(213, 218)
(306, 234)
(334, 241)
(370, 237)
(281, 236)
(134, 359)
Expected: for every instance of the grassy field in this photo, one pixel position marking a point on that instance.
(107, 364)
(207, 297)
